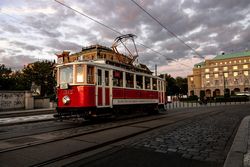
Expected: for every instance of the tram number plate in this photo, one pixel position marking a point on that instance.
(64, 86)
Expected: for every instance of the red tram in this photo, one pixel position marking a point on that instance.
(101, 82)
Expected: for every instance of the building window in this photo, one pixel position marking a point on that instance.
(216, 82)
(234, 61)
(220, 63)
(225, 62)
(245, 73)
(230, 62)
(191, 79)
(245, 60)
(216, 64)
(235, 67)
(207, 76)
(207, 70)
(216, 75)
(245, 66)
(216, 69)
(239, 61)
(235, 74)
(225, 68)
(225, 74)
(236, 81)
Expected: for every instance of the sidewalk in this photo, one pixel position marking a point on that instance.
(16, 113)
(24, 116)
(239, 154)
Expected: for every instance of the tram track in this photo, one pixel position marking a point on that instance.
(65, 133)
(130, 129)
(143, 129)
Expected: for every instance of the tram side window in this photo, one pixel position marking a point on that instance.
(90, 74)
(106, 78)
(66, 74)
(117, 78)
(129, 80)
(79, 73)
(154, 84)
(99, 77)
(139, 82)
(147, 83)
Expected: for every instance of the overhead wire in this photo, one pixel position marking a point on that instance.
(114, 30)
(167, 29)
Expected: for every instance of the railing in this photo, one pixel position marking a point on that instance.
(190, 104)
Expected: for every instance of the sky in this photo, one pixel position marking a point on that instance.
(32, 30)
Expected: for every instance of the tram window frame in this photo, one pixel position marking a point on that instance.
(139, 82)
(147, 82)
(81, 76)
(159, 85)
(129, 80)
(106, 78)
(117, 78)
(154, 84)
(99, 77)
(90, 74)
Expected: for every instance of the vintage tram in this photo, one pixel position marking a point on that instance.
(99, 81)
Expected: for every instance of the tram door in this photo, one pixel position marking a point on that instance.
(103, 88)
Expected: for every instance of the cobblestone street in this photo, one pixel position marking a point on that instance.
(203, 139)
(200, 141)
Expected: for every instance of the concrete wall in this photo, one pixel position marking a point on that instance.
(41, 103)
(10, 100)
(19, 100)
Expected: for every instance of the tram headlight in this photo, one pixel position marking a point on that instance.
(65, 99)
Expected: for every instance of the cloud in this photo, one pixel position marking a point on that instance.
(63, 45)
(25, 46)
(195, 22)
(18, 61)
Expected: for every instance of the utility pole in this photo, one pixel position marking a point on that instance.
(156, 70)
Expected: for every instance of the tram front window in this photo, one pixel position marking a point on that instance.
(66, 74)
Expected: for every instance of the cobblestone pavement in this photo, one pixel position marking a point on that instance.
(202, 139)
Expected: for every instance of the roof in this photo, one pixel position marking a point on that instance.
(232, 55)
(199, 64)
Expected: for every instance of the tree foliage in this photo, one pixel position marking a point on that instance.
(41, 73)
(175, 86)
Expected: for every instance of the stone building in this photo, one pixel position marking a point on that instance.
(224, 74)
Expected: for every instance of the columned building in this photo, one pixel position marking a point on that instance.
(224, 74)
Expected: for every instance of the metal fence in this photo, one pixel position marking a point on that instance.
(180, 104)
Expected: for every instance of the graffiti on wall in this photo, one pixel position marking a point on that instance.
(11, 100)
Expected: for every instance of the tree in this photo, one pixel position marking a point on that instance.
(5, 79)
(182, 84)
(42, 74)
(4, 71)
(175, 86)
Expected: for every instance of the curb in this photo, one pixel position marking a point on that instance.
(235, 156)
(26, 122)
(20, 113)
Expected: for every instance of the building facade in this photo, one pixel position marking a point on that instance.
(224, 74)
